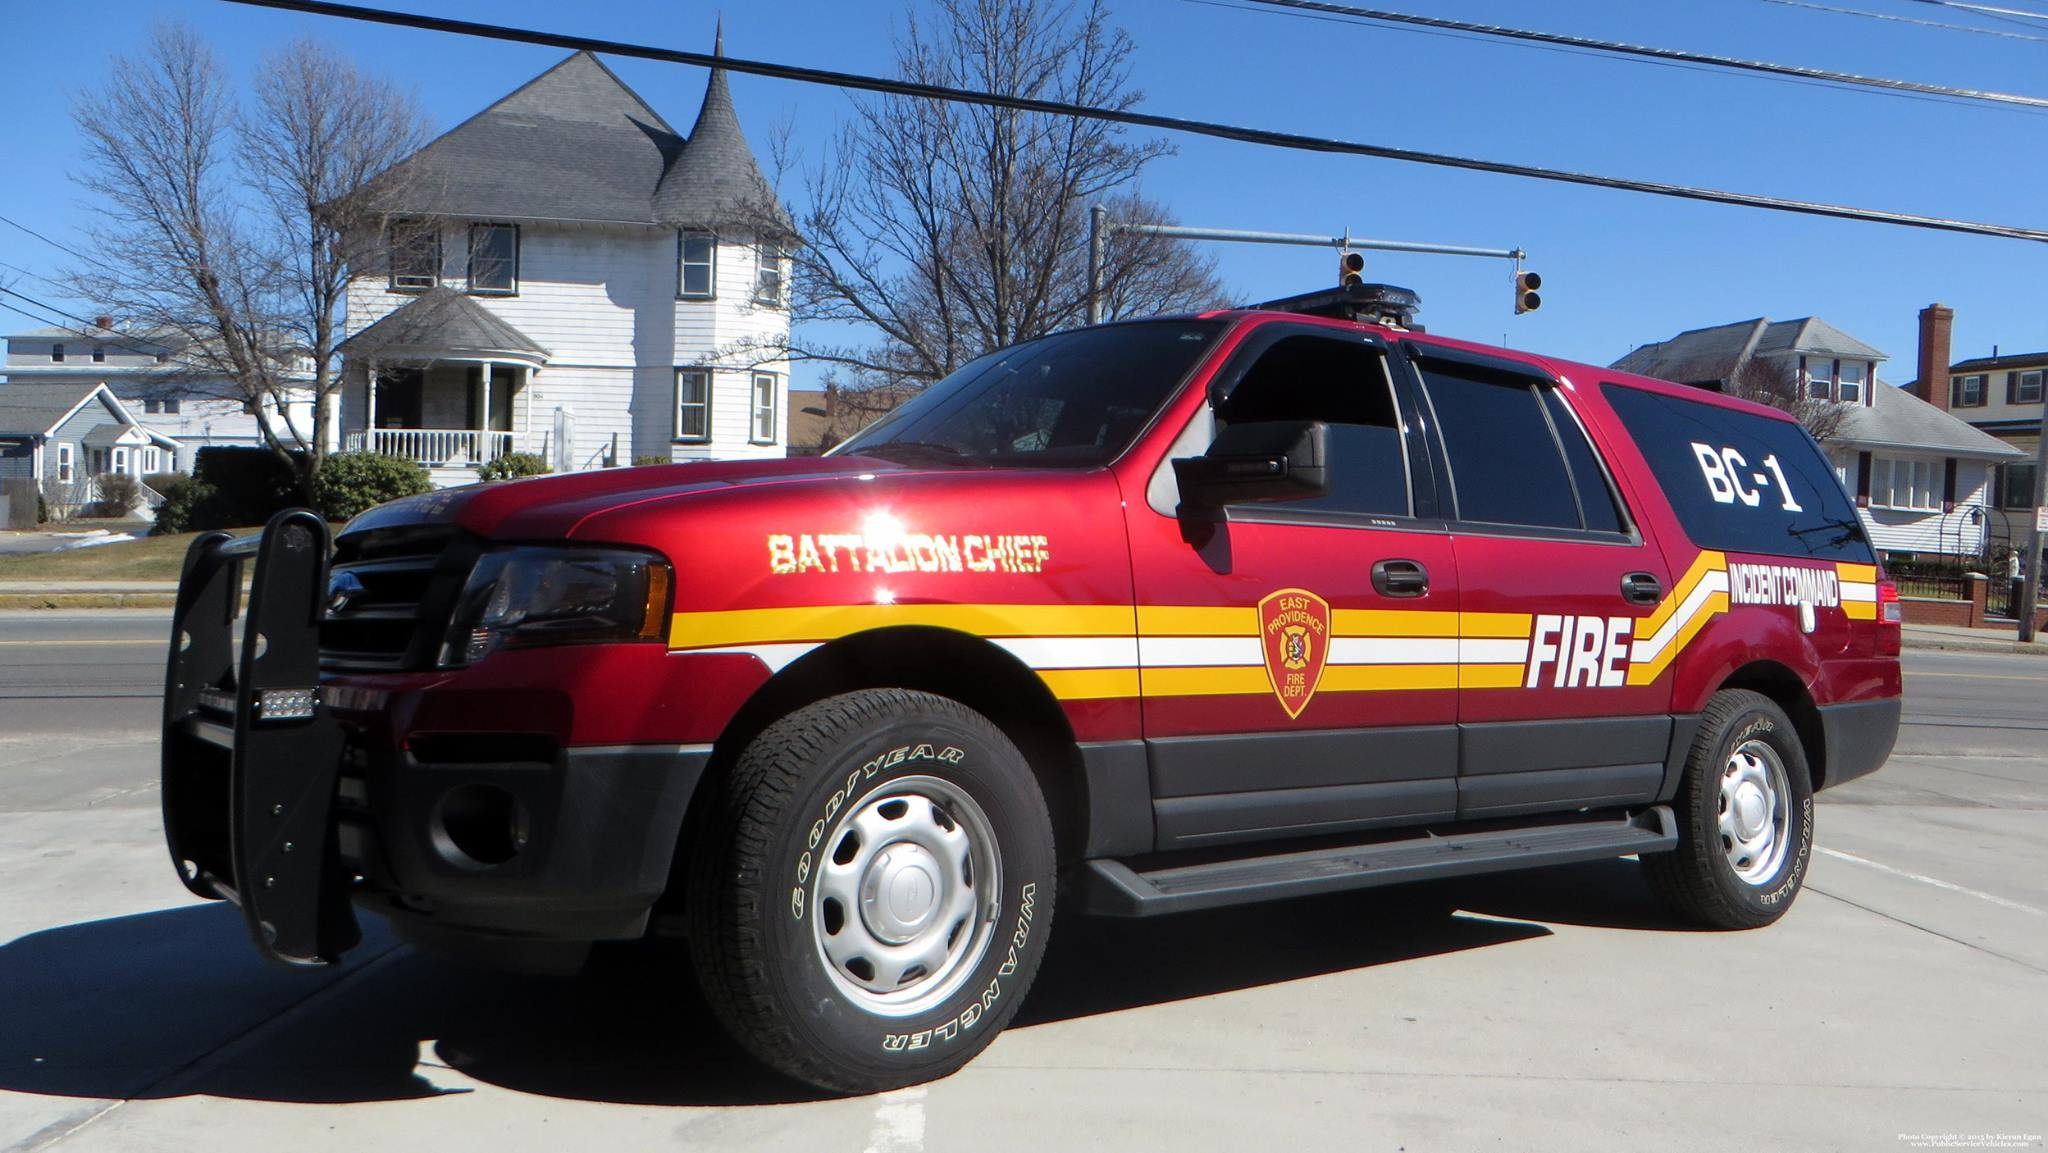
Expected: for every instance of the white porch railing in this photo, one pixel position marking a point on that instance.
(435, 447)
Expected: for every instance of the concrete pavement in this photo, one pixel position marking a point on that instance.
(1906, 993)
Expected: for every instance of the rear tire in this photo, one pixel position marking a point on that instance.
(873, 891)
(1745, 818)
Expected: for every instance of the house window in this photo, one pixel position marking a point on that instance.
(2027, 388)
(151, 406)
(152, 460)
(764, 407)
(1967, 391)
(66, 470)
(768, 279)
(698, 252)
(120, 464)
(2015, 486)
(494, 259)
(171, 405)
(415, 254)
(99, 354)
(1906, 485)
(693, 404)
(1851, 382)
(56, 354)
(1820, 379)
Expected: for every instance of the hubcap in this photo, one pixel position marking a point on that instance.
(906, 897)
(1755, 817)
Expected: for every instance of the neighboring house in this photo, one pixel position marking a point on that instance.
(1922, 479)
(569, 276)
(145, 372)
(1999, 395)
(821, 418)
(66, 435)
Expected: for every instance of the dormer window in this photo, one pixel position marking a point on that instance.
(1850, 382)
(415, 255)
(698, 256)
(1820, 378)
(768, 276)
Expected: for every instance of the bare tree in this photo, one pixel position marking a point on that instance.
(320, 134)
(952, 229)
(238, 268)
(1776, 383)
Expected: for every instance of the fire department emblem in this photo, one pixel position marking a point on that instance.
(1294, 634)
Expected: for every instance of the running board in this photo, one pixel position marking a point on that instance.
(1114, 889)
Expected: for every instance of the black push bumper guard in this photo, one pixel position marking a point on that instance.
(250, 755)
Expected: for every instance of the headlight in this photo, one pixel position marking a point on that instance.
(557, 596)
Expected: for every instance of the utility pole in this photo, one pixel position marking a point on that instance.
(1100, 226)
(2030, 588)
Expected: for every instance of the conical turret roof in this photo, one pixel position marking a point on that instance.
(713, 182)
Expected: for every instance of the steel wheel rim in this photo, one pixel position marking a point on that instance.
(1755, 818)
(908, 891)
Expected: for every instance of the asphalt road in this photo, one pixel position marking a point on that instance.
(1906, 995)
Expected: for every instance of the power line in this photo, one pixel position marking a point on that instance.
(1296, 141)
(91, 331)
(44, 239)
(1617, 48)
(1942, 24)
(1992, 11)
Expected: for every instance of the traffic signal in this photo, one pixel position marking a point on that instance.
(1350, 269)
(1527, 299)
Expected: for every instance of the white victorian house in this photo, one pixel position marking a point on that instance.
(570, 276)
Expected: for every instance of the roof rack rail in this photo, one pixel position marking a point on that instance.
(1372, 303)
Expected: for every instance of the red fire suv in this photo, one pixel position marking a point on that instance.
(1159, 616)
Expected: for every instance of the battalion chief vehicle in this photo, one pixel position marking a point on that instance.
(1160, 616)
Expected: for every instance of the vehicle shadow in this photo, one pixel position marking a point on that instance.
(175, 1002)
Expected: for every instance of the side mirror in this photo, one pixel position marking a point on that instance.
(1257, 461)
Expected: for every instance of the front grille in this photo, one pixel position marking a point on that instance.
(390, 595)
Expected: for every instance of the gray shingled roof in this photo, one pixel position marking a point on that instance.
(444, 323)
(1898, 419)
(36, 408)
(714, 181)
(1711, 355)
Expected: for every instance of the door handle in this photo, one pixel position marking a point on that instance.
(1641, 588)
(1400, 578)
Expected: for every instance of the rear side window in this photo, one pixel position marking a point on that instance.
(1742, 482)
(1506, 440)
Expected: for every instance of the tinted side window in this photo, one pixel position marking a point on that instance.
(1506, 467)
(1343, 383)
(1741, 482)
(1596, 500)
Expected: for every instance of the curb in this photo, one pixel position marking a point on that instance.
(1964, 645)
(10, 601)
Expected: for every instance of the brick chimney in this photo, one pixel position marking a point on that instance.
(103, 321)
(1936, 320)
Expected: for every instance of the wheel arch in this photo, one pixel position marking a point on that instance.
(944, 662)
(1786, 690)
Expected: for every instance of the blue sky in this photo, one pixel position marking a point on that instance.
(1619, 269)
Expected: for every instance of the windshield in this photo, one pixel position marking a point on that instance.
(1071, 400)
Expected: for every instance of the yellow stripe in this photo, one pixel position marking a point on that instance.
(1860, 610)
(1705, 563)
(1393, 623)
(1515, 625)
(1860, 573)
(1207, 681)
(827, 622)
(1090, 684)
(1198, 621)
(1713, 606)
(1490, 676)
(1378, 678)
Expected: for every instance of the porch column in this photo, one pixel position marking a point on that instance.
(487, 444)
(370, 410)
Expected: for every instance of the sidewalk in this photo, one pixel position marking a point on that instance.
(40, 594)
(1959, 639)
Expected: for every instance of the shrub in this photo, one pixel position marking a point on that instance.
(230, 487)
(512, 466)
(119, 494)
(642, 460)
(185, 507)
(165, 483)
(352, 482)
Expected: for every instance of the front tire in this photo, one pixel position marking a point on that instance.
(1745, 818)
(873, 893)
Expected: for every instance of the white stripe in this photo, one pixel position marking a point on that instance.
(1858, 591)
(776, 657)
(1492, 651)
(1711, 583)
(1936, 882)
(1073, 652)
(1394, 651)
(1189, 652)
